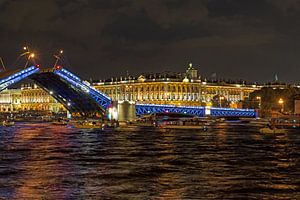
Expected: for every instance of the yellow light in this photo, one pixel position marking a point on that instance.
(209, 104)
(280, 101)
(61, 51)
(25, 48)
(258, 97)
(31, 55)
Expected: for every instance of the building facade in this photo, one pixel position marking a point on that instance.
(28, 98)
(184, 89)
(10, 100)
(35, 98)
(173, 92)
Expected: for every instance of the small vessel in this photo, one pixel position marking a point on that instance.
(8, 123)
(60, 122)
(174, 121)
(286, 122)
(269, 130)
(87, 125)
(184, 127)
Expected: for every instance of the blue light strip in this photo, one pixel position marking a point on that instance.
(6, 82)
(18, 74)
(103, 100)
(169, 105)
(142, 109)
(231, 112)
(233, 109)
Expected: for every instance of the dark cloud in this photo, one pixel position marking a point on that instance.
(253, 38)
(238, 8)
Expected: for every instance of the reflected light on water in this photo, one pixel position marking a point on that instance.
(43, 161)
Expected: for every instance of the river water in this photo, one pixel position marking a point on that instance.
(229, 161)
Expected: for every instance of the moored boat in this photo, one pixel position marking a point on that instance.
(8, 123)
(285, 123)
(184, 127)
(87, 125)
(60, 122)
(268, 130)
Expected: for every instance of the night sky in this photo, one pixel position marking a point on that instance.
(247, 39)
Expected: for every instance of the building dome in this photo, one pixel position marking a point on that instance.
(191, 72)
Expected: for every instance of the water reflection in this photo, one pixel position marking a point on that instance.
(40, 161)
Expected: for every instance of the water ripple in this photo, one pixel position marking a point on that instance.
(41, 161)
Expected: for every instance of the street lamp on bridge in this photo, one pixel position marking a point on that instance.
(221, 98)
(258, 98)
(281, 102)
(58, 57)
(2, 64)
(30, 54)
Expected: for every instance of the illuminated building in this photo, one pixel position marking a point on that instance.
(29, 97)
(177, 89)
(35, 98)
(10, 100)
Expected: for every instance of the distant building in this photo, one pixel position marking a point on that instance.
(35, 98)
(10, 100)
(172, 88)
(297, 107)
(28, 97)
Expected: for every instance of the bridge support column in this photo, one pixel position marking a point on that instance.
(207, 111)
(69, 115)
(113, 111)
(126, 110)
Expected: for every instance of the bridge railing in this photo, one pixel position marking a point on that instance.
(232, 112)
(14, 78)
(102, 99)
(142, 109)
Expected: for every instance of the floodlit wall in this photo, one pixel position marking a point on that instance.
(297, 107)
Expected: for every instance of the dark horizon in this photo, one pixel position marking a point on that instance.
(251, 39)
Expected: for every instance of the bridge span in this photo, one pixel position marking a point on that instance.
(76, 95)
(142, 109)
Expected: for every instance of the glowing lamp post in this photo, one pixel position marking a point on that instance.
(27, 52)
(258, 98)
(31, 56)
(221, 98)
(281, 102)
(58, 57)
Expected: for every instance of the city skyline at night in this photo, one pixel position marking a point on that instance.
(149, 99)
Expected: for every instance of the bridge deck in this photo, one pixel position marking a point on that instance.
(73, 99)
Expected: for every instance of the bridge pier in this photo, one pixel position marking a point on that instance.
(69, 115)
(122, 111)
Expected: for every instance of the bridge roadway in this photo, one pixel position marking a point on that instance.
(75, 95)
(79, 97)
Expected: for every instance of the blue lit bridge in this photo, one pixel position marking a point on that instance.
(75, 95)
(142, 109)
(79, 97)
